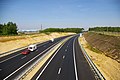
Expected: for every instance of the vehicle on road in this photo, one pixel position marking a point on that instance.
(32, 47)
(26, 51)
(52, 40)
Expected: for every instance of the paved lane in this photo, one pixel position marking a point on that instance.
(9, 64)
(67, 64)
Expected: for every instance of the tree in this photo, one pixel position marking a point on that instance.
(76, 30)
(1, 28)
(108, 29)
(8, 29)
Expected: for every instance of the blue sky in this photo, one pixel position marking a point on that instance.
(30, 14)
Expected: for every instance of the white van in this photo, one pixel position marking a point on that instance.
(32, 47)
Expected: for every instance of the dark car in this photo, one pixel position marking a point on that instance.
(25, 51)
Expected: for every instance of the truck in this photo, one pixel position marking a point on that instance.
(32, 47)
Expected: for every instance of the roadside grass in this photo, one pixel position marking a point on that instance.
(5, 39)
(94, 49)
(107, 33)
(17, 37)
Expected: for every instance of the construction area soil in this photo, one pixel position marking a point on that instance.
(8, 43)
(109, 67)
(109, 45)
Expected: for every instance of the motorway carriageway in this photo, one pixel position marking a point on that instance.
(13, 64)
(67, 63)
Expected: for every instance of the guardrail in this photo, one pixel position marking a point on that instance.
(30, 68)
(18, 49)
(98, 74)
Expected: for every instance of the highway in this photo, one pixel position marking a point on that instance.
(13, 64)
(68, 63)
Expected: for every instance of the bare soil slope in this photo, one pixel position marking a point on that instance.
(109, 45)
(8, 43)
(110, 68)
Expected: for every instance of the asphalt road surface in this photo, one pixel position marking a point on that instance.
(68, 63)
(13, 64)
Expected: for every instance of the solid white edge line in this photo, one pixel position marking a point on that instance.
(76, 75)
(59, 70)
(9, 58)
(19, 53)
(91, 64)
(26, 63)
(48, 63)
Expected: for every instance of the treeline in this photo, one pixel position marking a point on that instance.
(8, 29)
(75, 30)
(108, 29)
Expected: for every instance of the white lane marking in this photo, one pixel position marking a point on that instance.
(19, 54)
(76, 75)
(36, 50)
(69, 43)
(47, 64)
(42, 44)
(59, 70)
(65, 49)
(63, 56)
(9, 58)
(27, 62)
(23, 57)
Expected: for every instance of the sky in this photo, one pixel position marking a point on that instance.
(30, 14)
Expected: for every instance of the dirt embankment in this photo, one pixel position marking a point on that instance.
(8, 43)
(110, 68)
(109, 45)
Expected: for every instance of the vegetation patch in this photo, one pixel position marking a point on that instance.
(8, 29)
(93, 49)
(109, 45)
(75, 30)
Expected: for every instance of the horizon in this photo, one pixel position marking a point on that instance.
(30, 14)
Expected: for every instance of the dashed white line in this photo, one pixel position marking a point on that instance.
(68, 42)
(48, 63)
(76, 75)
(59, 70)
(63, 56)
(65, 49)
(19, 54)
(36, 50)
(23, 57)
(26, 64)
(9, 58)
(44, 46)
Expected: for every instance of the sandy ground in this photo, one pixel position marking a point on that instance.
(14, 42)
(107, 66)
